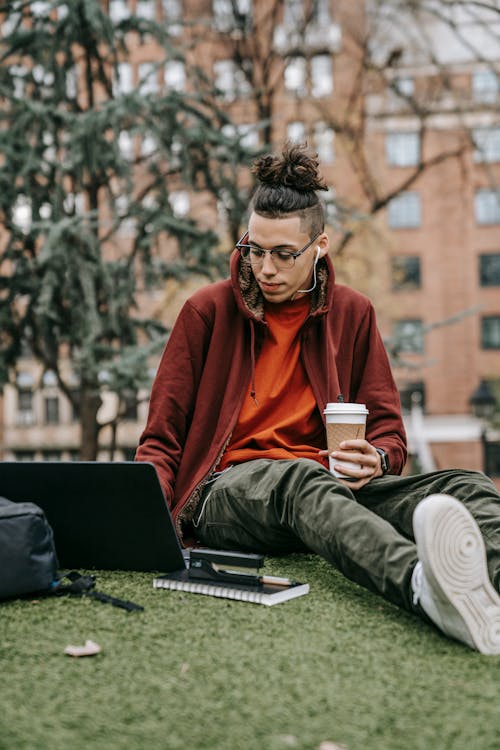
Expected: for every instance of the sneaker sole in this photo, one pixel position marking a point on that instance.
(451, 548)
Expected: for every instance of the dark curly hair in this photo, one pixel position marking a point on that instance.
(288, 185)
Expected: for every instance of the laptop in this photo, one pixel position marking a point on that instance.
(105, 515)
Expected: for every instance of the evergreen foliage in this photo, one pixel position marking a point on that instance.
(87, 175)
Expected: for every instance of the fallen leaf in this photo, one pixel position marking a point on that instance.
(89, 649)
(289, 740)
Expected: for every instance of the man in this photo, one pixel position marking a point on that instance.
(237, 434)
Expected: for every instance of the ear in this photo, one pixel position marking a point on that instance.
(323, 243)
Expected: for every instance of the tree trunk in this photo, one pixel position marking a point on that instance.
(89, 406)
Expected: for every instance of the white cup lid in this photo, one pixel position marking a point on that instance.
(340, 407)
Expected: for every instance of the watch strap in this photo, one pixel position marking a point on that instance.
(384, 460)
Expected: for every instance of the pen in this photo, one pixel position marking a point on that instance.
(275, 581)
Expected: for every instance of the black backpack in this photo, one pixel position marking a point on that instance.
(28, 558)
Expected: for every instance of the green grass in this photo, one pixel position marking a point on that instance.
(195, 672)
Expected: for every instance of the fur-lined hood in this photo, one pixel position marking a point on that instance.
(251, 301)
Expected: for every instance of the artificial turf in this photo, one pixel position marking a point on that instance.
(338, 667)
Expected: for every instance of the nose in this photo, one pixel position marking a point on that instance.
(268, 267)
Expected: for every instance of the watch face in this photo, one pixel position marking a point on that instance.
(384, 460)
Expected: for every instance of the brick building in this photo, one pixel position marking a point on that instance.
(411, 147)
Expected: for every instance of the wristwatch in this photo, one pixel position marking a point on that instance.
(385, 464)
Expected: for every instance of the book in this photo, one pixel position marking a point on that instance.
(265, 592)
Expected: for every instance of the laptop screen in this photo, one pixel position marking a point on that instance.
(105, 515)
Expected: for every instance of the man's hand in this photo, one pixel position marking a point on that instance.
(359, 452)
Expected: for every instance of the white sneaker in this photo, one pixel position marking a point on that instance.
(450, 581)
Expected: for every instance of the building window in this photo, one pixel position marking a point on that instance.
(296, 75)
(22, 214)
(49, 379)
(25, 400)
(123, 82)
(232, 15)
(172, 10)
(321, 76)
(245, 133)
(118, 10)
(405, 272)
(25, 414)
(402, 149)
(404, 86)
(125, 222)
(404, 211)
(51, 455)
(485, 86)
(324, 142)
(24, 455)
(148, 78)
(487, 144)
(489, 269)
(51, 409)
(74, 203)
(12, 21)
(146, 9)
(230, 79)
(18, 74)
(293, 13)
(296, 132)
(487, 206)
(409, 336)
(40, 8)
(174, 75)
(412, 393)
(172, 16)
(126, 145)
(72, 82)
(321, 13)
(490, 332)
(180, 203)
(149, 146)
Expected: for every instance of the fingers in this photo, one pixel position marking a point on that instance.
(365, 458)
(363, 462)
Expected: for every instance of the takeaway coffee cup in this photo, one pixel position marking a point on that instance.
(343, 422)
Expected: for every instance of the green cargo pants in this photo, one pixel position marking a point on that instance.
(276, 507)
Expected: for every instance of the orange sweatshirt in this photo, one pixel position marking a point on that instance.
(285, 422)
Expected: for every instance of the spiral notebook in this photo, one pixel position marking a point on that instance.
(260, 593)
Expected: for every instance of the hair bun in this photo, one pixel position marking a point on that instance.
(297, 168)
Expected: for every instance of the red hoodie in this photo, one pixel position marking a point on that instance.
(209, 362)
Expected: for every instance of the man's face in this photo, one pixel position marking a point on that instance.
(280, 284)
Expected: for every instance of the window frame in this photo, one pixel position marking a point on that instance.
(485, 344)
(397, 204)
(418, 336)
(483, 273)
(487, 207)
(399, 264)
(398, 154)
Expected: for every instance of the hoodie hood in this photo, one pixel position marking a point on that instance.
(250, 299)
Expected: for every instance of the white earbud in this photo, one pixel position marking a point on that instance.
(304, 291)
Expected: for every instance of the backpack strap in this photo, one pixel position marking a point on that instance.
(82, 585)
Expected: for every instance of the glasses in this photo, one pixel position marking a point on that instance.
(281, 257)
